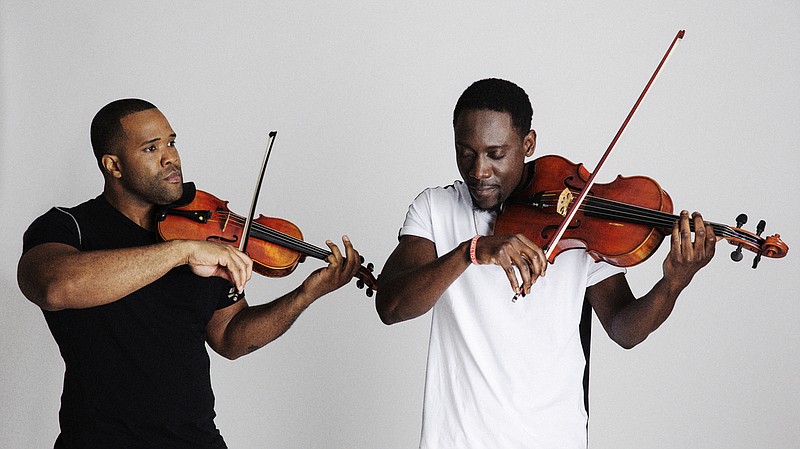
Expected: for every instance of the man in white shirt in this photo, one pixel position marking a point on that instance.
(500, 373)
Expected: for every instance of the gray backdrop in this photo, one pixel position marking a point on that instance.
(361, 94)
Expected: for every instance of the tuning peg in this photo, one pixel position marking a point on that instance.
(759, 229)
(360, 258)
(370, 267)
(360, 283)
(736, 255)
(369, 292)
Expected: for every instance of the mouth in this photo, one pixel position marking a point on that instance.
(174, 177)
(484, 191)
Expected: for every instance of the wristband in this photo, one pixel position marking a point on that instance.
(472, 246)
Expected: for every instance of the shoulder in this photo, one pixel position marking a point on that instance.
(87, 210)
(454, 193)
(59, 225)
(441, 200)
(437, 208)
(75, 226)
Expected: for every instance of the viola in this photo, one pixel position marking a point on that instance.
(275, 245)
(622, 222)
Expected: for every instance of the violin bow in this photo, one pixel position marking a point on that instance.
(577, 203)
(248, 222)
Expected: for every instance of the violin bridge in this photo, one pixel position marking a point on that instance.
(564, 200)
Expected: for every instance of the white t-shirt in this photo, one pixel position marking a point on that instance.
(501, 374)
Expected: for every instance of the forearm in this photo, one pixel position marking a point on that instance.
(638, 318)
(255, 326)
(644, 315)
(57, 278)
(410, 293)
(240, 329)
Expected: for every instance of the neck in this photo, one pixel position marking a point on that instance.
(140, 212)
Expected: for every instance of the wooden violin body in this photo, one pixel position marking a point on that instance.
(275, 245)
(622, 222)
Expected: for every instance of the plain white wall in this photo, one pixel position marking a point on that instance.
(362, 95)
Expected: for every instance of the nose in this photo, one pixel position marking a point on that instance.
(481, 168)
(170, 156)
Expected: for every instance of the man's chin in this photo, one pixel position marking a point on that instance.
(171, 195)
(485, 205)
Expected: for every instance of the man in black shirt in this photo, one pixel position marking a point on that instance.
(131, 315)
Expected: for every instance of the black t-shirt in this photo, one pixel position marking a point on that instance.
(137, 370)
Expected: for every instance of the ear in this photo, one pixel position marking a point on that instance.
(111, 166)
(529, 143)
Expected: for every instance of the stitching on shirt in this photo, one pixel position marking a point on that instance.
(80, 239)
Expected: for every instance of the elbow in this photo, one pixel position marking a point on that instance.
(229, 347)
(386, 316)
(629, 341)
(39, 287)
(396, 308)
(387, 312)
(45, 291)
(229, 352)
(55, 298)
(387, 302)
(50, 298)
(388, 319)
(627, 335)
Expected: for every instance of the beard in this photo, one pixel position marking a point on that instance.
(493, 208)
(487, 203)
(153, 189)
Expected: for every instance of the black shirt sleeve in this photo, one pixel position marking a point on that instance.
(55, 226)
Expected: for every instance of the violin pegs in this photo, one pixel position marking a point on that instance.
(369, 293)
(361, 258)
(736, 255)
(756, 260)
(360, 283)
(370, 267)
(760, 227)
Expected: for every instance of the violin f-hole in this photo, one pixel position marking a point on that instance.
(547, 229)
(217, 238)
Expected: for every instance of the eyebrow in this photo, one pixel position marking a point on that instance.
(147, 142)
(490, 147)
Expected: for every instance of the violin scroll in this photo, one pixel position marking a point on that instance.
(366, 278)
(771, 246)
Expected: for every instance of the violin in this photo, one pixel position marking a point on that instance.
(622, 222)
(275, 245)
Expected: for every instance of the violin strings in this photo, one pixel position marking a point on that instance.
(641, 215)
(651, 216)
(271, 235)
(290, 242)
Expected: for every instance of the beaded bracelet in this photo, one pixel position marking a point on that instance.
(472, 246)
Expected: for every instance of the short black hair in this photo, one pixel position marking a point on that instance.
(497, 95)
(106, 130)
